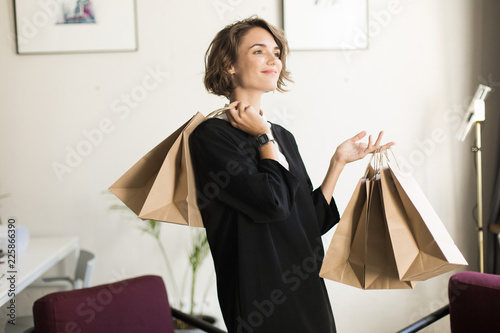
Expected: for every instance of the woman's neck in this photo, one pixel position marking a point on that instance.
(252, 98)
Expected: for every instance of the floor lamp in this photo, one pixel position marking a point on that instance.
(475, 116)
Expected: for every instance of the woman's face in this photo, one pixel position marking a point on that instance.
(258, 67)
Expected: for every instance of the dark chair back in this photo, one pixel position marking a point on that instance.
(474, 302)
(135, 305)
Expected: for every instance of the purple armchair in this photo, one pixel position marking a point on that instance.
(474, 305)
(135, 305)
(474, 302)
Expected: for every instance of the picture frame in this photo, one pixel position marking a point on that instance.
(75, 26)
(326, 24)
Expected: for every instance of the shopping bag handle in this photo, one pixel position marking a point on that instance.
(386, 152)
(218, 112)
(380, 158)
(221, 111)
(376, 162)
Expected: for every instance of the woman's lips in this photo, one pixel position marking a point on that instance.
(270, 72)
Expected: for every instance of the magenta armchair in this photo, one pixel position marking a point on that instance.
(474, 305)
(134, 305)
(474, 302)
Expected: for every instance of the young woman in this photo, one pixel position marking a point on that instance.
(263, 219)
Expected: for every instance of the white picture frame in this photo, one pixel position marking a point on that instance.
(326, 24)
(75, 26)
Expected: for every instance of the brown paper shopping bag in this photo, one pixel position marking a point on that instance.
(360, 253)
(338, 264)
(161, 186)
(394, 240)
(381, 265)
(422, 245)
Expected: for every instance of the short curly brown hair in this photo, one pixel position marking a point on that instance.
(223, 52)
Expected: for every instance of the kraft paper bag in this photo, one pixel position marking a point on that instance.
(422, 245)
(381, 265)
(161, 185)
(389, 236)
(338, 265)
(360, 253)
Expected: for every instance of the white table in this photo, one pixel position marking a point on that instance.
(42, 254)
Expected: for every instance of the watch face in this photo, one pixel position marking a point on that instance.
(262, 139)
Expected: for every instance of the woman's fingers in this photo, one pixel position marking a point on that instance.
(372, 147)
(233, 114)
(236, 111)
(241, 109)
(377, 145)
(358, 136)
(230, 117)
(387, 146)
(379, 140)
(244, 117)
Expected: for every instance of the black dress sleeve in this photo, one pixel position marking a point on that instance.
(328, 214)
(228, 168)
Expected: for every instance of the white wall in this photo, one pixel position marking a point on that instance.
(415, 78)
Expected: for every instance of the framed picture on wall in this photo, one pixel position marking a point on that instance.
(74, 26)
(326, 24)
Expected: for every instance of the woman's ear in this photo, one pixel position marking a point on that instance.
(230, 69)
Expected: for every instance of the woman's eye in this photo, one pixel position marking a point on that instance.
(258, 52)
(277, 54)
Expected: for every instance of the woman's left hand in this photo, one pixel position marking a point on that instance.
(351, 150)
(244, 117)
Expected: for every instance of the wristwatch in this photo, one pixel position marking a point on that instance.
(264, 139)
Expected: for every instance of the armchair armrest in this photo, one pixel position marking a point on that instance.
(427, 320)
(195, 322)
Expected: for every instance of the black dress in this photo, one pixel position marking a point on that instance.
(264, 226)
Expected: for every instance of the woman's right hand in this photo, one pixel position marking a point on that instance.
(246, 118)
(352, 150)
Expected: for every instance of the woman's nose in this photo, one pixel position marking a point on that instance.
(271, 59)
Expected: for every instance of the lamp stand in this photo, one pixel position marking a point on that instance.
(479, 192)
(476, 115)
